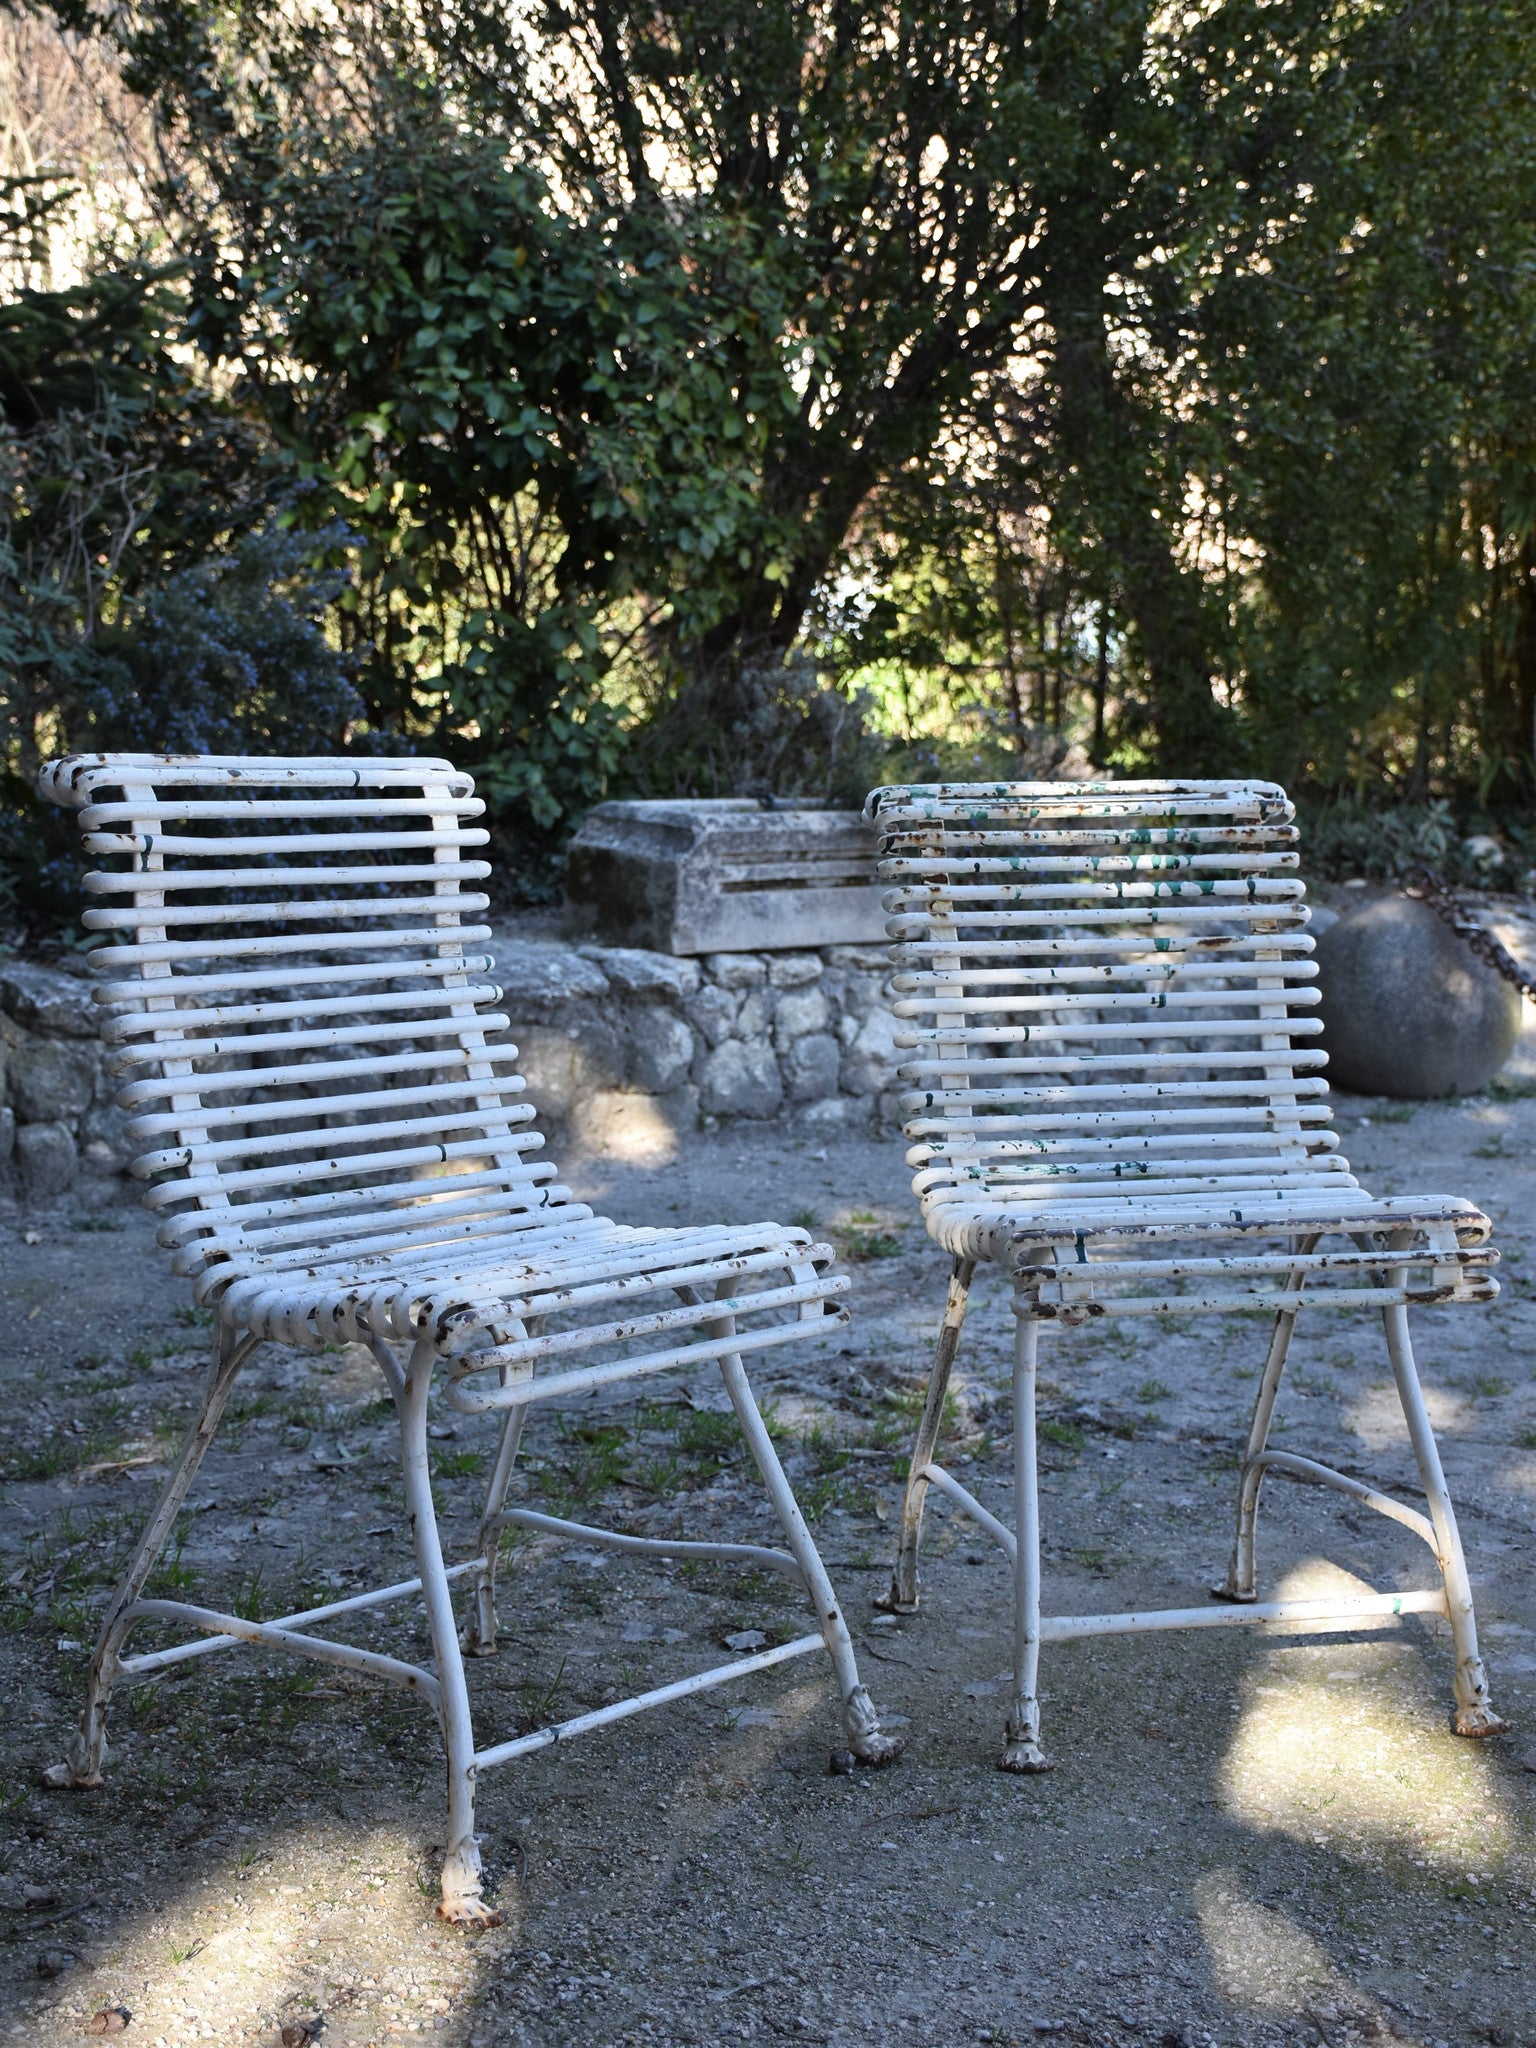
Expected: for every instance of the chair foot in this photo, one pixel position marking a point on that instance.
(66, 1778)
(892, 1601)
(82, 1771)
(1024, 1756)
(1022, 1753)
(1477, 1721)
(866, 1743)
(461, 1904)
(464, 1912)
(1225, 1589)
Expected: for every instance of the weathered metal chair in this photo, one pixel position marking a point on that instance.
(1110, 1098)
(304, 1029)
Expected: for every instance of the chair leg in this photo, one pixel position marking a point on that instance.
(1241, 1582)
(479, 1637)
(861, 1724)
(461, 1900)
(89, 1750)
(1474, 1708)
(1021, 1745)
(903, 1595)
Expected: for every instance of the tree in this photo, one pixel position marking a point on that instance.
(622, 333)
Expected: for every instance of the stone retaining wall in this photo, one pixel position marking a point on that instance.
(612, 1037)
(618, 1046)
(58, 1122)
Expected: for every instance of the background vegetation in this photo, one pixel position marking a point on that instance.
(717, 398)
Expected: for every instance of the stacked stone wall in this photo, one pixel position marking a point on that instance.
(58, 1123)
(806, 1036)
(610, 1038)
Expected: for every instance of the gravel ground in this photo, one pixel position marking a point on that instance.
(1249, 1837)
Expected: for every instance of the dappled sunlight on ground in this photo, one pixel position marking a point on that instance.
(1346, 1745)
(1261, 1960)
(294, 1924)
(632, 1130)
(1376, 1417)
(708, 1792)
(1519, 1475)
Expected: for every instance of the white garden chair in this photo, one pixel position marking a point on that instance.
(1111, 1099)
(303, 1027)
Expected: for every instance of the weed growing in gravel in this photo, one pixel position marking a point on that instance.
(860, 1242)
(1067, 1435)
(1153, 1390)
(1483, 1386)
(1313, 1382)
(457, 1464)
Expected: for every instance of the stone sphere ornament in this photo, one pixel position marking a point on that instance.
(1407, 1007)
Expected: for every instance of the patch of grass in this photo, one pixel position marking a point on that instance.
(804, 1219)
(95, 1223)
(660, 1475)
(859, 1245)
(831, 1452)
(1068, 1435)
(538, 1703)
(1494, 1149)
(1398, 1113)
(591, 1457)
(1512, 1090)
(820, 1495)
(705, 1434)
(1092, 1560)
(46, 1460)
(457, 1464)
(1313, 1382)
(249, 1596)
(1525, 1437)
(1483, 1386)
(1153, 1390)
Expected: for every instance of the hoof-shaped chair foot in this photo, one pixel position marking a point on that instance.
(1476, 1722)
(65, 1778)
(892, 1601)
(1223, 1589)
(464, 1911)
(461, 1904)
(1024, 1757)
(869, 1748)
(875, 1752)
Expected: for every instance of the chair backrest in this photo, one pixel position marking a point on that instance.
(294, 997)
(1098, 982)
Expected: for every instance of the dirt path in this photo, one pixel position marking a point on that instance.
(1247, 1839)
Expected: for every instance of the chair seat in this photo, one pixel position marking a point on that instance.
(459, 1289)
(992, 1227)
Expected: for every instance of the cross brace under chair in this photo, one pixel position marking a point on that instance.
(331, 1128)
(1111, 1098)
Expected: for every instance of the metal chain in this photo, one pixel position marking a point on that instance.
(1431, 888)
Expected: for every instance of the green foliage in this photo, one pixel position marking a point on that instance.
(149, 595)
(729, 398)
